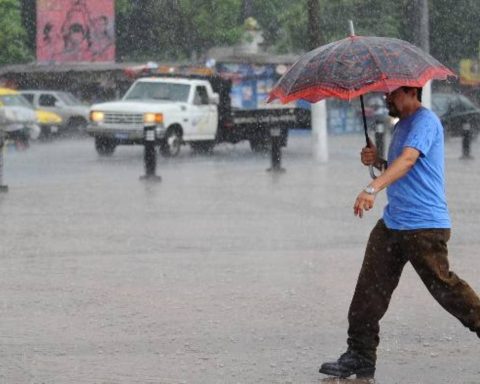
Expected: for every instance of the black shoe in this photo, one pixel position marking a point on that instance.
(350, 363)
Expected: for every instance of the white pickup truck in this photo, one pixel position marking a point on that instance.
(183, 110)
(195, 110)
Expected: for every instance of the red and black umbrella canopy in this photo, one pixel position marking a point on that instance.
(356, 65)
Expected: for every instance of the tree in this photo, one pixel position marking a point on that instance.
(314, 27)
(370, 17)
(13, 48)
(178, 29)
(209, 23)
(454, 32)
(418, 19)
(247, 10)
(29, 22)
(182, 29)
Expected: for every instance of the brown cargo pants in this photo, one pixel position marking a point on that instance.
(387, 253)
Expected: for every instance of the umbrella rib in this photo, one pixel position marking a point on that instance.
(325, 62)
(408, 70)
(336, 52)
(372, 56)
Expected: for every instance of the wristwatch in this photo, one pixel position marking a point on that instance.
(370, 190)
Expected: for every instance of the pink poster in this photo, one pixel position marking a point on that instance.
(75, 31)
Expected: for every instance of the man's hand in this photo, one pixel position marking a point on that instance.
(363, 202)
(368, 156)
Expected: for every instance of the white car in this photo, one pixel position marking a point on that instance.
(73, 112)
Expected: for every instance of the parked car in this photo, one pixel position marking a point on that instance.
(455, 110)
(73, 112)
(21, 120)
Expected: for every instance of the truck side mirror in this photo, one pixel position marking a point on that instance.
(215, 99)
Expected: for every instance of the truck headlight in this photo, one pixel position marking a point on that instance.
(97, 116)
(153, 118)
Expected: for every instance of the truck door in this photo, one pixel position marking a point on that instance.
(204, 116)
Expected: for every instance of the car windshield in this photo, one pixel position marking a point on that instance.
(452, 104)
(15, 101)
(158, 91)
(69, 99)
(467, 105)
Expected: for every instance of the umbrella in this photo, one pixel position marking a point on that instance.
(356, 65)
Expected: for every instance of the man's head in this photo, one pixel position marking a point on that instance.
(403, 101)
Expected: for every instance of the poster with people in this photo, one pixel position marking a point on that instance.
(75, 31)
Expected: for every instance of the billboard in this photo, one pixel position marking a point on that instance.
(75, 31)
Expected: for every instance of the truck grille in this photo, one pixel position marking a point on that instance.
(123, 118)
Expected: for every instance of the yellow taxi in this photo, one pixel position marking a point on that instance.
(49, 122)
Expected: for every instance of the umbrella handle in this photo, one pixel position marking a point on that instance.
(370, 167)
(372, 172)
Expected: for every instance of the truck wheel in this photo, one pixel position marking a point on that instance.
(170, 145)
(203, 146)
(104, 147)
(260, 145)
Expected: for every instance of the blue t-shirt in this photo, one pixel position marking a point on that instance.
(417, 200)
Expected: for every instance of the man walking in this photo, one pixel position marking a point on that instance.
(415, 228)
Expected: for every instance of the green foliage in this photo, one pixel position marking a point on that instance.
(454, 31)
(29, 21)
(172, 30)
(377, 17)
(123, 7)
(273, 16)
(370, 17)
(292, 35)
(13, 47)
(201, 15)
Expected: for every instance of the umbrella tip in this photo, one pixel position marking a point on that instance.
(350, 25)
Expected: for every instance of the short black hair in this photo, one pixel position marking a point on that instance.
(419, 91)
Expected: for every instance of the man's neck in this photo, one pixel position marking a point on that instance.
(411, 109)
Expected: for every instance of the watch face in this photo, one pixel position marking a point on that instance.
(370, 190)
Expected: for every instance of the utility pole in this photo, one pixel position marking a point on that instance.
(319, 109)
(314, 32)
(419, 15)
(421, 24)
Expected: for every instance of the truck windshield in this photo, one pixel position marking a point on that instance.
(158, 91)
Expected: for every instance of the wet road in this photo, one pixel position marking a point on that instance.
(222, 273)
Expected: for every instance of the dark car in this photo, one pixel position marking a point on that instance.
(455, 110)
